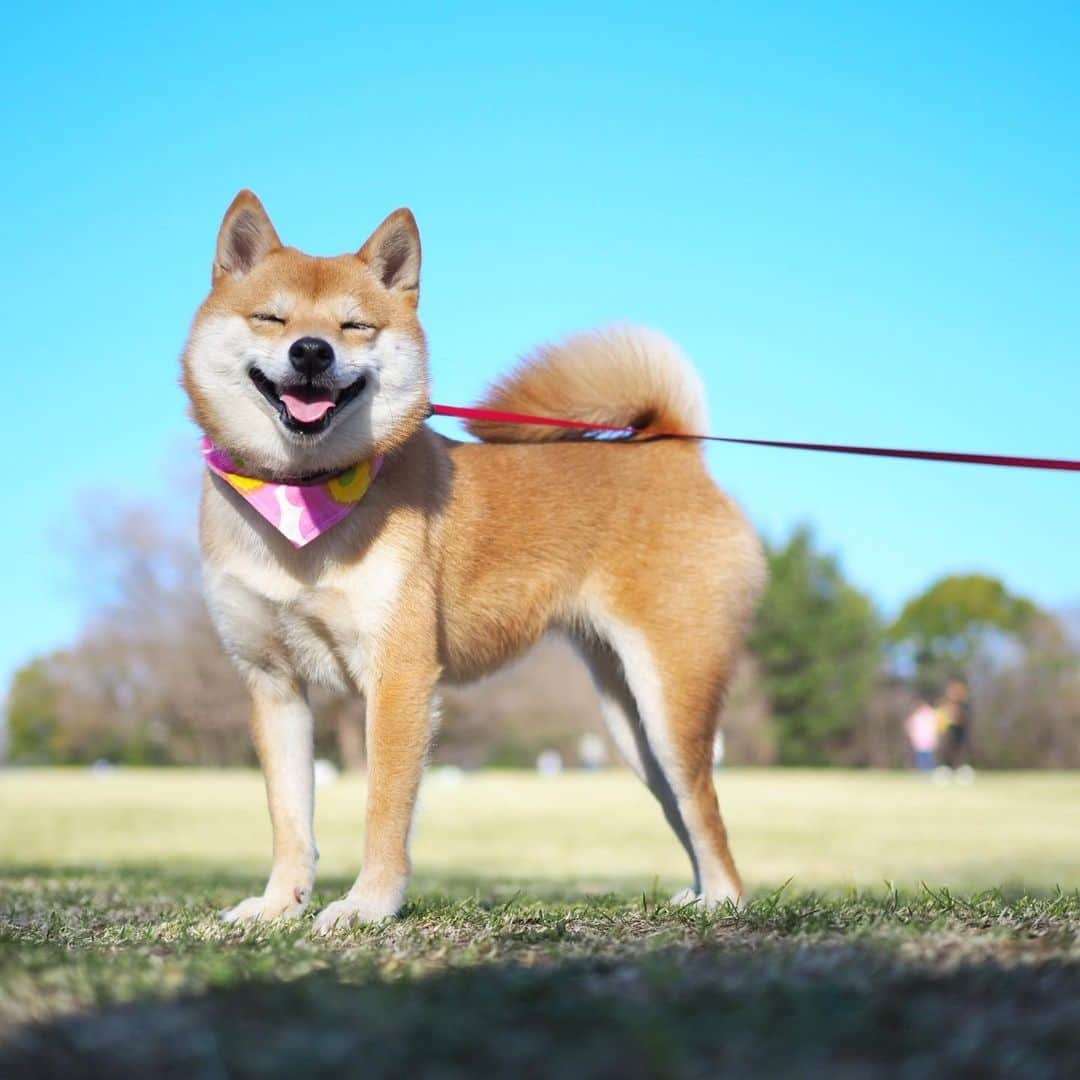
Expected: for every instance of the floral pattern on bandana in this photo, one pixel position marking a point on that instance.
(300, 512)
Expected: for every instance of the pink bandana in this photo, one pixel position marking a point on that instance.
(300, 512)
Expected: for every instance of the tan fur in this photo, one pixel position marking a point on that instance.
(626, 376)
(460, 557)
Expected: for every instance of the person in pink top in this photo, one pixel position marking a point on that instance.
(922, 733)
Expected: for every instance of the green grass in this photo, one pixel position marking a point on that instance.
(537, 939)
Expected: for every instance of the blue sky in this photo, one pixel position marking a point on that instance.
(862, 225)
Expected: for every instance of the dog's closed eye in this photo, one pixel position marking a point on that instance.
(265, 316)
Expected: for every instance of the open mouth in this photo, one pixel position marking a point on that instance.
(306, 408)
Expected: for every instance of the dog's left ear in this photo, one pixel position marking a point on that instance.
(246, 236)
(393, 253)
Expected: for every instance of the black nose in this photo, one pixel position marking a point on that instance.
(311, 356)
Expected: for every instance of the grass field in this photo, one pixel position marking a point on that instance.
(895, 927)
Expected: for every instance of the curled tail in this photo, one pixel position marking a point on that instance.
(626, 376)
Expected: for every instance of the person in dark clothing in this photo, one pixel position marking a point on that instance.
(956, 744)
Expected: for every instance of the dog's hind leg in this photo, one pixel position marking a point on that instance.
(668, 704)
(623, 721)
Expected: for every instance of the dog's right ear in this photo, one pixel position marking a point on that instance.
(246, 237)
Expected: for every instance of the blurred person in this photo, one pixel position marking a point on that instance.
(922, 732)
(956, 736)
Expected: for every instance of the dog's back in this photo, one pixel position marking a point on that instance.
(543, 523)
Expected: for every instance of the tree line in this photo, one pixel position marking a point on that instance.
(826, 680)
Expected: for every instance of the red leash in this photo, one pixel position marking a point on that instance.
(1004, 460)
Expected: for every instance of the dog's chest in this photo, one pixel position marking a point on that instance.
(323, 632)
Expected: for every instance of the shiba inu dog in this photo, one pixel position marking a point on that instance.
(442, 559)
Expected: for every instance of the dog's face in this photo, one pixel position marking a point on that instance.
(299, 365)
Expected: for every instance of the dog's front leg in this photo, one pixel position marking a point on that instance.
(399, 724)
(282, 728)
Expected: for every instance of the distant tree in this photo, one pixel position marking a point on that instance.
(32, 715)
(947, 626)
(746, 720)
(1028, 706)
(818, 641)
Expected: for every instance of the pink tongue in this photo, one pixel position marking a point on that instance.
(306, 411)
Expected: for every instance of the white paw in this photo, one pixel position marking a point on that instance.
(265, 909)
(354, 910)
(689, 898)
(685, 897)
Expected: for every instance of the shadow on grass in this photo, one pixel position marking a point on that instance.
(813, 1011)
(134, 978)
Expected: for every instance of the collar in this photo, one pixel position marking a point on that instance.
(301, 512)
